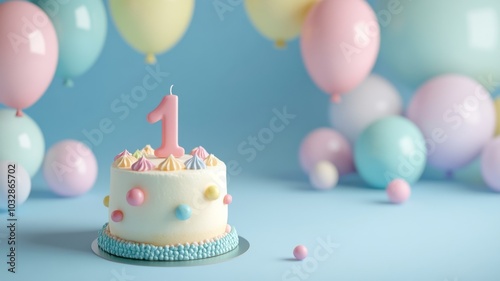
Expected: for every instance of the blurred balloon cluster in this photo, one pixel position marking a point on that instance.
(40, 39)
(443, 50)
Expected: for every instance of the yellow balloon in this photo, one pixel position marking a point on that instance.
(278, 20)
(152, 26)
(497, 107)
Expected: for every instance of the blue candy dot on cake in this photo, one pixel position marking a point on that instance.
(183, 212)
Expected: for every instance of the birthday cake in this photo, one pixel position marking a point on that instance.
(167, 208)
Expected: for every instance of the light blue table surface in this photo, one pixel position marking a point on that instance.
(447, 231)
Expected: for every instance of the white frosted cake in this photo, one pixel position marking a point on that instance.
(173, 208)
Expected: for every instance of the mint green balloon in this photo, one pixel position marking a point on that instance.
(390, 148)
(81, 27)
(21, 141)
(425, 38)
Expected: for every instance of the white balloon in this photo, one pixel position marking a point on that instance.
(20, 183)
(373, 99)
(324, 175)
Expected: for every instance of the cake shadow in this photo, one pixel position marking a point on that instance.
(77, 241)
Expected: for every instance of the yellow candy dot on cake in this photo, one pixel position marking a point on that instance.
(105, 201)
(212, 192)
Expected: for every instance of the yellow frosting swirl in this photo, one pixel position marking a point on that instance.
(171, 164)
(211, 160)
(124, 161)
(148, 151)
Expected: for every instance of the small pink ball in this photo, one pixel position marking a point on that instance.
(228, 228)
(398, 191)
(135, 196)
(300, 252)
(117, 216)
(228, 199)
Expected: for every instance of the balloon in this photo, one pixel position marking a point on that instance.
(339, 43)
(152, 26)
(373, 99)
(324, 175)
(326, 144)
(28, 54)
(21, 141)
(420, 39)
(388, 149)
(497, 110)
(13, 177)
(70, 168)
(457, 117)
(278, 20)
(490, 164)
(81, 29)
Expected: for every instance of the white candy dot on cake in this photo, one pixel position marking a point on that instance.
(212, 192)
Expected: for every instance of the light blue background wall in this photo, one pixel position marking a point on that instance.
(229, 79)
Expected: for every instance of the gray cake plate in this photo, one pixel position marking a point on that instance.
(243, 246)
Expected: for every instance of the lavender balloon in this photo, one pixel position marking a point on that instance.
(490, 164)
(325, 144)
(70, 168)
(457, 118)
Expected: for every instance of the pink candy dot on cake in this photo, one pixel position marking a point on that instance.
(228, 228)
(228, 199)
(135, 196)
(398, 191)
(117, 216)
(300, 252)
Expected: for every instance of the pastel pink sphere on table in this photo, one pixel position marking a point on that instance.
(325, 144)
(490, 164)
(70, 168)
(398, 191)
(300, 252)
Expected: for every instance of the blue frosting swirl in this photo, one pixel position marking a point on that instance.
(195, 163)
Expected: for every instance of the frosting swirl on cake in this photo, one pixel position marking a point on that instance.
(195, 163)
(200, 152)
(124, 161)
(125, 152)
(137, 154)
(171, 164)
(142, 165)
(148, 151)
(211, 160)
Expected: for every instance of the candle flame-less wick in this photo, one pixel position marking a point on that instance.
(171, 88)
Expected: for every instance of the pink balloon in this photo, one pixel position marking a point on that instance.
(340, 42)
(457, 118)
(325, 144)
(28, 53)
(490, 164)
(70, 168)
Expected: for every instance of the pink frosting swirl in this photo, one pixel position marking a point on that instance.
(123, 153)
(200, 152)
(142, 165)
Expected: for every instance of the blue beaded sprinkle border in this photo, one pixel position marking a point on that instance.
(142, 251)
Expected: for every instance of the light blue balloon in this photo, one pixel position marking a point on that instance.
(392, 147)
(425, 38)
(81, 27)
(21, 141)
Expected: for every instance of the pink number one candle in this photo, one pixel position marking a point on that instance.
(166, 111)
